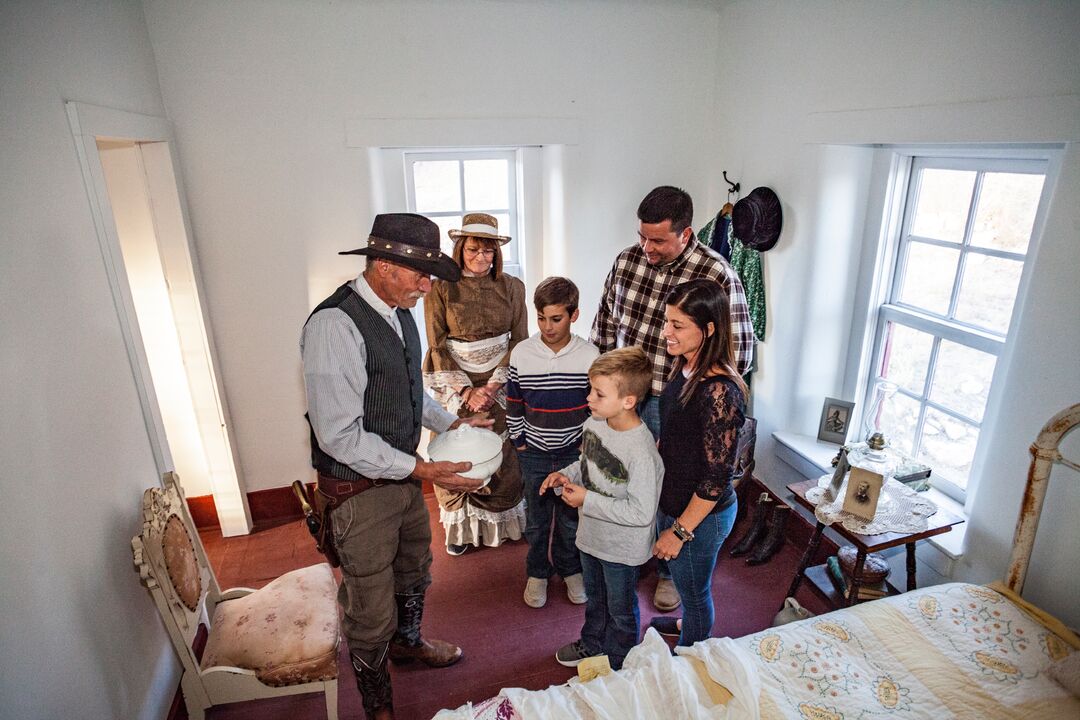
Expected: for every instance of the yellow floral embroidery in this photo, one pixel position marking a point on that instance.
(983, 593)
(829, 628)
(929, 607)
(769, 647)
(817, 712)
(992, 662)
(887, 693)
(1055, 647)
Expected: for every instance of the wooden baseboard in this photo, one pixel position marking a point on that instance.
(268, 508)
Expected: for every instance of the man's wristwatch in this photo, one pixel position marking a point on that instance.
(681, 532)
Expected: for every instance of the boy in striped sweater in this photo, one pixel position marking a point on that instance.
(546, 406)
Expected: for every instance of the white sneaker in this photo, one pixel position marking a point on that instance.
(536, 592)
(575, 589)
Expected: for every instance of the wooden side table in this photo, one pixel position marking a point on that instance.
(939, 523)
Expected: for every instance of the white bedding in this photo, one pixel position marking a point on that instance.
(953, 650)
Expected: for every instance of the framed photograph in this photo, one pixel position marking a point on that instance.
(836, 418)
(863, 491)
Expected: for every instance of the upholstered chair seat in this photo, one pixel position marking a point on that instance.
(286, 632)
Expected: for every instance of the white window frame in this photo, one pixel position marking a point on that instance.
(900, 205)
(512, 252)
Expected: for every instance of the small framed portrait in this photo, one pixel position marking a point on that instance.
(836, 418)
(863, 491)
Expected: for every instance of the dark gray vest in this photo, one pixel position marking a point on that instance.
(394, 398)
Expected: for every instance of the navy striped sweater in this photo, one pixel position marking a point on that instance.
(546, 393)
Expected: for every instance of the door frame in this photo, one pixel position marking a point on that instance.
(89, 123)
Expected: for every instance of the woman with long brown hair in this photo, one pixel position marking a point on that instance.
(701, 410)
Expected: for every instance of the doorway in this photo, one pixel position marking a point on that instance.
(139, 211)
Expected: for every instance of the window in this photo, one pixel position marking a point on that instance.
(965, 229)
(446, 185)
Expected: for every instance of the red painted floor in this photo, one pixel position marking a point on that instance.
(475, 601)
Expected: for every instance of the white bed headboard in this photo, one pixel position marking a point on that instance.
(1044, 453)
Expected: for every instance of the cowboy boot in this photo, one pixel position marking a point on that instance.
(373, 681)
(407, 645)
(757, 526)
(774, 538)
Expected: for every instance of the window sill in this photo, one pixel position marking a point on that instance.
(812, 458)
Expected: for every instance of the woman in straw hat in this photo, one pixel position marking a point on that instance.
(472, 325)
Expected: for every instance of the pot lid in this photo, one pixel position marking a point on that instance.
(465, 444)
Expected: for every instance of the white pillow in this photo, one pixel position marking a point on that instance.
(1067, 672)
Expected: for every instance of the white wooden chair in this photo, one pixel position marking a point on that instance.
(279, 640)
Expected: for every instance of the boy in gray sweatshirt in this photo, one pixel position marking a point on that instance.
(616, 486)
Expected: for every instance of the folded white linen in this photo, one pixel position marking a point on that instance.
(651, 684)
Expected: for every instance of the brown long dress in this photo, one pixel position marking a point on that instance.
(469, 323)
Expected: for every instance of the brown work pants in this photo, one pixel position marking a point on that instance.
(383, 538)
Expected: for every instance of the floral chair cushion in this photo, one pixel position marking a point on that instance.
(287, 632)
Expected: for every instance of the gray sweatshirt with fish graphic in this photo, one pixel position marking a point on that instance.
(622, 472)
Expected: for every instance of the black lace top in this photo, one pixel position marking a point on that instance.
(698, 442)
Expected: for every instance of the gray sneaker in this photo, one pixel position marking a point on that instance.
(575, 589)
(536, 592)
(571, 655)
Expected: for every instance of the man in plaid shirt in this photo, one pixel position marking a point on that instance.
(632, 306)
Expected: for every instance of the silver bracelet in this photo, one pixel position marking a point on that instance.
(681, 532)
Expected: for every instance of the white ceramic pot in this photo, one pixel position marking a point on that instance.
(481, 447)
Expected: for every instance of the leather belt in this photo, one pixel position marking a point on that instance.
(341, 490)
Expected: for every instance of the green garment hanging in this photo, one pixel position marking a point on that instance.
(746, 262)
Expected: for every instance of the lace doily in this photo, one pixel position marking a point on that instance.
(899, 509)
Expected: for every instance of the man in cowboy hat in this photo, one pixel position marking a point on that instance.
(631, 308)
(366, 404)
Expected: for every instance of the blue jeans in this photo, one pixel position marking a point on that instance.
(543, 511)
(692, 572)
(649, 412)
(612, 619)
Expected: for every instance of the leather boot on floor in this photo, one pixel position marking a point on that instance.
(666, 597)
(373, 681)
(773, 539)
(407, 644)
(757, 526)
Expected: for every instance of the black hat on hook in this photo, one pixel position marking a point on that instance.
(757, 218)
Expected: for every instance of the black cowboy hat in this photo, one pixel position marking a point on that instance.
(756, 219)
(409, 240)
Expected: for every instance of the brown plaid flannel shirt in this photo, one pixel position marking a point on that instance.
(632, 306)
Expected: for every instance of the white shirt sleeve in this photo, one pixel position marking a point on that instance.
(435, 416)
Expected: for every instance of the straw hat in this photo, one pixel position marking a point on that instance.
(480, 225)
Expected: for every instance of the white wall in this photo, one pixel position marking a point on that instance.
(260, 93)
(79, 633)
(786, 61)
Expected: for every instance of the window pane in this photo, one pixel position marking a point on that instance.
(988, 291)
(944, 201)
(906, 357)
(948, 445)
(899, 417)
(929, 276)
(962, 378)
(486, 185)
(1006, 211)
(437, 185)
(509, 249)
(446, 223)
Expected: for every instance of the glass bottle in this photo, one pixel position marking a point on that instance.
(874, 430)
